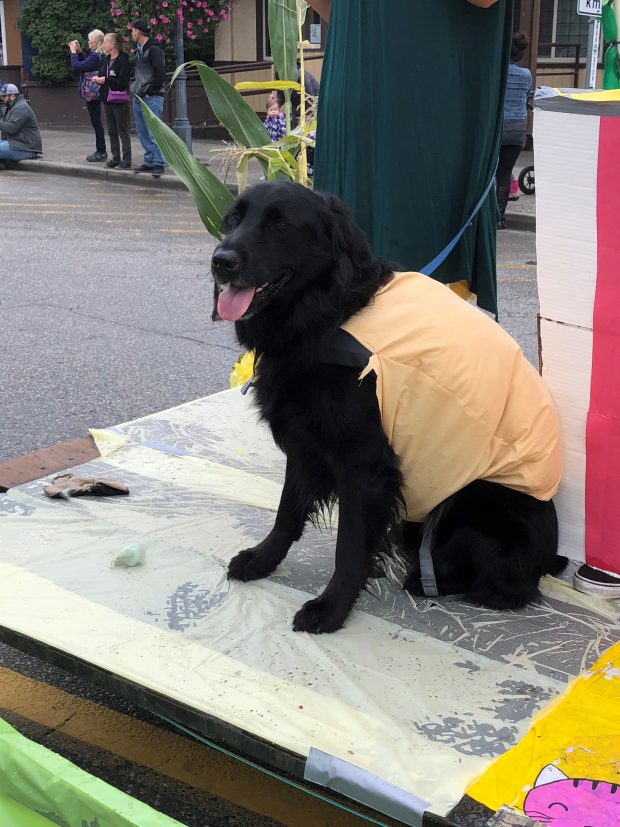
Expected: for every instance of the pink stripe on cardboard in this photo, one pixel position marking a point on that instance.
(603, 423)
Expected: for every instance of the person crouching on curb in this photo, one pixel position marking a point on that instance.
(88, 67)
(21, 139)
(114, 83)
(148, 84)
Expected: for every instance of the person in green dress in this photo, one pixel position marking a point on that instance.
(409, 128)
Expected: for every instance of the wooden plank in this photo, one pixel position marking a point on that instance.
(47, 461)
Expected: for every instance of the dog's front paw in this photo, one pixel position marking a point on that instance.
(318, 616)
(249, 564)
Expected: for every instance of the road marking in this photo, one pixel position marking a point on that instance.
(162, 751)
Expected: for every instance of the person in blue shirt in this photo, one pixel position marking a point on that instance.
(274, 122)
(518, 87)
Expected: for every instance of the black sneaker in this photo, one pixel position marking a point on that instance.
(125, 165)
(143, 168)
(157, 171)
(112, 163)
(97, 156)
(594, 581)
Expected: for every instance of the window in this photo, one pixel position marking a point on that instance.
(560, 23)
(312, 29)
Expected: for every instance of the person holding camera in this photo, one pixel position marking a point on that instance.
(88, 67)
(114, 83)
(148, 84)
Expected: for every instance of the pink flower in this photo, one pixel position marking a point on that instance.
(164, 5)
(159, 37)
(224, 16)
(189, 26)
(164, 19)
(153, 21)
(205, 30)
(199, 21)
(167, 40)
(118, 12)
(112, 4)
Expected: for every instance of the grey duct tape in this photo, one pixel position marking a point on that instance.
(364, 787)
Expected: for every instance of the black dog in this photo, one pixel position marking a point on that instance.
(291, 269)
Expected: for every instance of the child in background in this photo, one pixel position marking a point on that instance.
(274, 122)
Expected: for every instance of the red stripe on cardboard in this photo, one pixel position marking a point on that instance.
(603, 423)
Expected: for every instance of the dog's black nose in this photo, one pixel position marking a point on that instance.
(225, 262)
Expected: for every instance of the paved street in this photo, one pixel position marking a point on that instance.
(105, 307)
(105, 316)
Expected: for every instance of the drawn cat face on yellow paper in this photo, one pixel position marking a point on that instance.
(560, 801)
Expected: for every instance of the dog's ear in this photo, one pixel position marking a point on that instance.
(350, 248)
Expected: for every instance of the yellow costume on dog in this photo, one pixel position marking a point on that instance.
(459, 401)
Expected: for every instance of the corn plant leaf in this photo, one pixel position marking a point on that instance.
(212, 198)
(282, 18)
(278, 85)
(229, 107)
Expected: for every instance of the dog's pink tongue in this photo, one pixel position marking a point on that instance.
(233, 302)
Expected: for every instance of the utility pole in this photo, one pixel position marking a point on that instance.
(181, 125)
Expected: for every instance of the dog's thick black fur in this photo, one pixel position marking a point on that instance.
(314, 269)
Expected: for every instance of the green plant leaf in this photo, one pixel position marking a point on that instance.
(229, 107)
(212, 198)
(283, 37)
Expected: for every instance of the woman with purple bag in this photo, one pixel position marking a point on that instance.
(114, 82)
(88, 66)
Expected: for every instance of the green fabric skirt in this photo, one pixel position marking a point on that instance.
(409, 128)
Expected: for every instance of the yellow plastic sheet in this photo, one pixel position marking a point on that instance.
(566, 771)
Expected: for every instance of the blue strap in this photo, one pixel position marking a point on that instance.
(430, 268)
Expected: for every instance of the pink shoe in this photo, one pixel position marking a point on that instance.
(514, 190)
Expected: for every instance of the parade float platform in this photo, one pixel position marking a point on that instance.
(400, 710)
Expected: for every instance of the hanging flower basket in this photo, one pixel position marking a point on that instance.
(200, 18)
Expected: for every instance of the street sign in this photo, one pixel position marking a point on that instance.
(590, 8)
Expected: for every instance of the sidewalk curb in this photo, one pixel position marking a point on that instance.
(521, 221)
(113, 176)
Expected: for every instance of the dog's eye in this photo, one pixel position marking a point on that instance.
(230, 221)
(278, 224)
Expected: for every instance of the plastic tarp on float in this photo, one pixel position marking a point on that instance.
(401, 709)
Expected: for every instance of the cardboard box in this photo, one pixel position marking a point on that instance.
(577, 161)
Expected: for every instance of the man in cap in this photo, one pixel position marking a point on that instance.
(19, 128)
(148, 84)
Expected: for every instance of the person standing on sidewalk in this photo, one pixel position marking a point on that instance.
(88, 67)
(518, 88)
(21, 139)
(148, 84)
(114, 83)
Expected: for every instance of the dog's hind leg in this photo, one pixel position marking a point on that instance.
(492, 544)
(263, 559)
